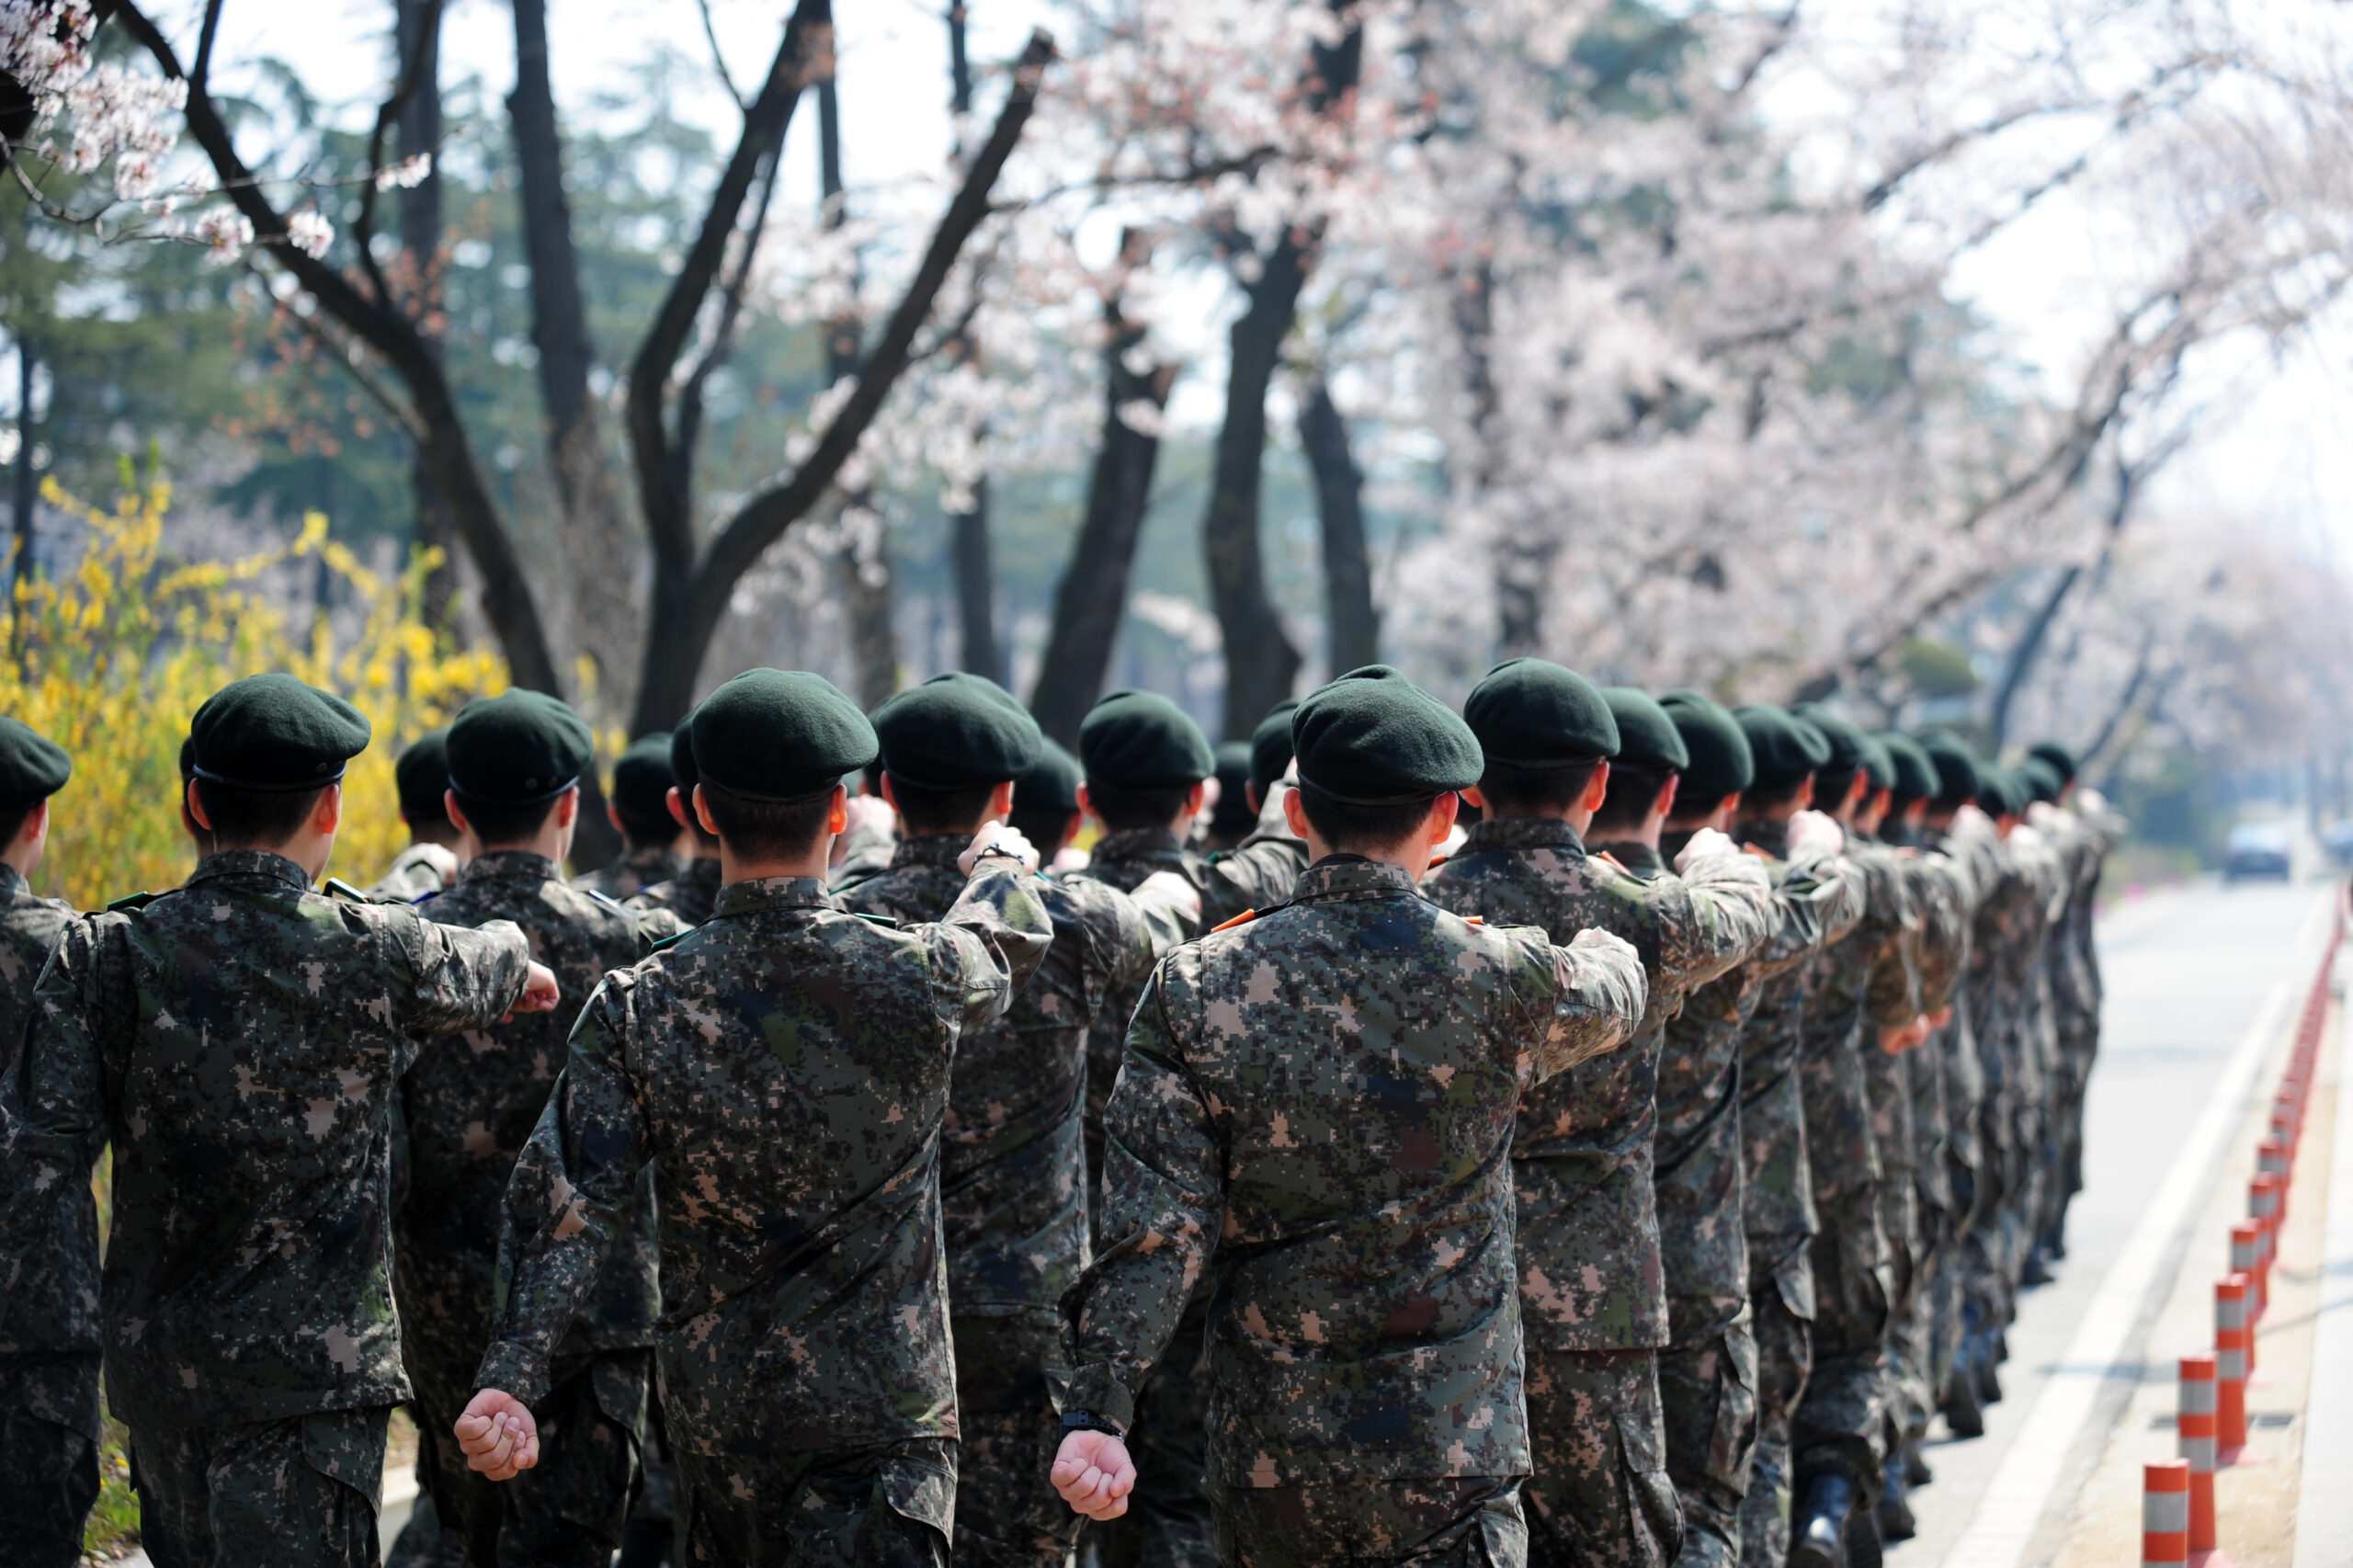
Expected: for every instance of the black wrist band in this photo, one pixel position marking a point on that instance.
(1087, 1420)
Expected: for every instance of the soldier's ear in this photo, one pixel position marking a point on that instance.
(678, 804)
(328, 815)
(837, 815)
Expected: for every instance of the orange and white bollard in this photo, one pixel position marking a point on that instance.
(2165, 1515)
(2195, 1424)
(2247, 1257)
(2267, 1202)
(2232, 1337)
(2271, 1159)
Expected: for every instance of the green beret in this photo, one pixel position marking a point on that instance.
(1916, 772)
(518, 748)
(2061, 760)
(32, 767)
(1373, 738)
(684, 773)
(422, 776)
(1955, 764)
(777, 735)
(956, 731)
(1879, 765)
(1135, 740)
(1720, 761)
(1998, 793)
(1533, 713)
(1050, 785)
(1232, 813)
(1270, 746)
(641, 779)
(2041, 780)
(272, 734)
(1786, 749)
(1646, 736)
(1849, 747)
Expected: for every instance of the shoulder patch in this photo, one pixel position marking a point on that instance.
(890, 920)
(131, 900)
(337, 888)
(1475, 920)
(1436, 861)
(1244, 918)
(1604, 855)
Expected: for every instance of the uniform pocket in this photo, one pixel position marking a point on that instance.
(1732, 1443)
(919, 1483)
(347, 1446)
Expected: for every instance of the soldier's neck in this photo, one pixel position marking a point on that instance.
(733, 868)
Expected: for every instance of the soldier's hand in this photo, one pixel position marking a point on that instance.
(541, 992)
(870, 811)
(1167, 887)
(1707, 841)
(1896, 1042)
(1002, 837)
(1093, 1474)
(1816, 827)
(497, 1434)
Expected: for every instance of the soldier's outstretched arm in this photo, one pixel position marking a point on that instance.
(1586, 999)
(455, 977)
(1724, 915)
(985, 948)
(573, 1181)
(52, 1106)
(1163, 1203)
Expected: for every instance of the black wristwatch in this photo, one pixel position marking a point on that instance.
(1087, 1420)
(994, 851)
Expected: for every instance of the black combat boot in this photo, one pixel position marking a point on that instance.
(1818, 1530)
(1895, 1520)
(1916, 1466)
(1962, 1411)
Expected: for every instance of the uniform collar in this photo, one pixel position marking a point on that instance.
(771, 894)
(508, 865)
(1773, 837)
(1521, 833)
(1351, 876)
(1139, 844)
(1641, 859)
(266, 864)
(930, 849)
(12, 882)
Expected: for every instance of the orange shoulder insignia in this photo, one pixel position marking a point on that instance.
(1475, 920)
(1605, 854)
(1244, 918)
(1436, 861)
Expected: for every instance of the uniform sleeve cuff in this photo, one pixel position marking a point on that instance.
(513, 1369)
(1097, 1391)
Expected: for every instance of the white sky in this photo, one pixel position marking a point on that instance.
(2272, 452)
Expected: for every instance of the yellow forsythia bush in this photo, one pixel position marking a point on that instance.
(112, 659)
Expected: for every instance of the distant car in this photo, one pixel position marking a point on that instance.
(2337, 839)
(2259, 849)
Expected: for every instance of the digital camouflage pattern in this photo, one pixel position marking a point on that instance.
(635, 871)
(299, 1489)
(239, 1043)
(1474, 1523)
(1321, 1104)
(416, 871)
(1013, 1183)
(788, 1064)
(469, 1112)
(876, 1505)
(690, 895)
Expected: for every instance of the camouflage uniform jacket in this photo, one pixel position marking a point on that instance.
(1318, 1106)
(1256, 876)
(469, 1109)
(690, 895)
(1697, 1177)
(1590, 1274)
(1012, 1166)
(1776, 1196)
(416, 871)
(1858, 987)
(1941, 895)
(240, 1041)
(1972, 855)
(633, 873)
(787, 1065)
(49, 1302)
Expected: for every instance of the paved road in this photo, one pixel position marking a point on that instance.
(2187, 972)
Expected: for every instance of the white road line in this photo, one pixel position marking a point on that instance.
(2325, 1512)
(2020, 1492)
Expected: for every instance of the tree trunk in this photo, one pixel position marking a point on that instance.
(1093, 597)
(976, 609)
(1261, 662)
(1339, 494)
(609, 620)
(419, 129)
(28, 484)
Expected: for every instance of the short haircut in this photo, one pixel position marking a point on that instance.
(12, 822)
(250, 817)
(1042, 828)
(1831, 789)
(1121, 810)
(767, 830)
(1632, 793)
(438, 817)
(1353, 829)
(922, 811)
(1512, 790)
(1690, 809)
(1758, 798)
(500, 823)
(646, 832)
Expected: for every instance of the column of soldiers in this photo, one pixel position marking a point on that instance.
(1584, 1129)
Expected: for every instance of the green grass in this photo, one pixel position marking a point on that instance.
(113, 1527)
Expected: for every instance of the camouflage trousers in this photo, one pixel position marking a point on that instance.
(298, 1493)
(567, 1512)
(1456, 1522)
(1706, 1393)
(1840, 1422)
(1913, 1380)
(886, 1505)
(1008, 1513)
(1599, 1496)
(1987, 1287)
(48, 1470)
(1784, 1358)
(1170, 1524)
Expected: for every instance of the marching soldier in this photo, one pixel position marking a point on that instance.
(430, 862)
(238, 1042)
(1593, 1299)
(1315, 1111)
(640, 813)
(688, 898)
